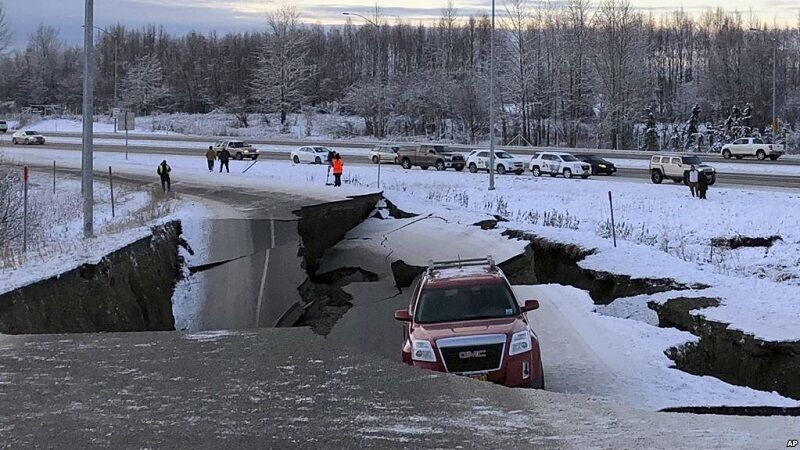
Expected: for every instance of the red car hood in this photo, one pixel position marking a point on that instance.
(433, 332)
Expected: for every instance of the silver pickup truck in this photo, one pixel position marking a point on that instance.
(752, 147)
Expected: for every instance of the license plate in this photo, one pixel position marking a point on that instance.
(481, 377)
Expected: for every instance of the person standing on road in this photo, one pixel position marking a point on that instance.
(211, 155)
(163, 171)
(338, 168)
(693, 180)
(702, 183)
(224, 157)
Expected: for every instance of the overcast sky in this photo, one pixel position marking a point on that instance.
(180, 16)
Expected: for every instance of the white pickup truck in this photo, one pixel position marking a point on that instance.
(752, 147)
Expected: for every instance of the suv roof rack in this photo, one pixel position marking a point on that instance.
(434, 265)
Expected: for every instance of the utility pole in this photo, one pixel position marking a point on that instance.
(491, 105)
(87, 175)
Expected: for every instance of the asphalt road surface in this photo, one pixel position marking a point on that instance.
(723, 179)
(606, 153)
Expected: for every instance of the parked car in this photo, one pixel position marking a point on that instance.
(426, 156)
(463, 318)
(556, 163)
(752, 147)
(385, 154)
(504, 162)
(238, 149)
(310, 155)
(3, 126)
(676, 167)
(27, 137)
(599, 165)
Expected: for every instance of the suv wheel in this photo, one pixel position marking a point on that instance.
(239, 156)
(774, 157)
(317, 160)
(14, 141)
(567, 173)
(374, 160)
(726, 154)
(458, 168)
(712, 179)
(656, 176)
(537, 172)
(295, 159)
(473, 168)
(540, 385)
(406, 163)
(761, 155)
(440, 165)
(501, 170)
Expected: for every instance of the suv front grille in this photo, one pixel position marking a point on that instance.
(473, 358)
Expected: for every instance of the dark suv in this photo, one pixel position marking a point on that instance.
(463, 318)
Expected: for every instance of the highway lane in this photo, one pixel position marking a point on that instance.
(605, 153)
(723, 179)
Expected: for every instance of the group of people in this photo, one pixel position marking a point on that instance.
(698, 183)
(335, 165)
(224, 157)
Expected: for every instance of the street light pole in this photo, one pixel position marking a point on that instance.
(491, 104)
(87, 175)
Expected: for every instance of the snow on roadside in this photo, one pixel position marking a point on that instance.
(632, 352)
(61, 248)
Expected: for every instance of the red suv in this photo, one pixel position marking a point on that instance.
(464, 319)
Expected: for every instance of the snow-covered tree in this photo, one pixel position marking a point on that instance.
(283, 73)
(6, 36)
(143, 87)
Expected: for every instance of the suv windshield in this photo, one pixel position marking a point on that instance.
(568, 158)
(238, 144)
(465, 303)
(30, 133)
(691, 160)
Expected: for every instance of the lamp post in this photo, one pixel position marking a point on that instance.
(380, 43)
(491, 104)
(774, 82)
(87, 174)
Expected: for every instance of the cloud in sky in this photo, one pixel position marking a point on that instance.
(181, 16)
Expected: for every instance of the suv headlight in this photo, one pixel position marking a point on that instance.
(520, 343)
(422, 351)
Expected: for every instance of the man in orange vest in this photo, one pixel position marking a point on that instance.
(338, 168)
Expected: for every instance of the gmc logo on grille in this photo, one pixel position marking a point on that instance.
(472, 354)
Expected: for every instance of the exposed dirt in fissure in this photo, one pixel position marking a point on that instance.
(321, 227)
(127, 290)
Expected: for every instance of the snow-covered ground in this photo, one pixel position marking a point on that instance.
(55, 242)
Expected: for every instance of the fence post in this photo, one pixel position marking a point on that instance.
(25, 211)
(613, 225)
(379, 170)
(54, 177)
(111, 184)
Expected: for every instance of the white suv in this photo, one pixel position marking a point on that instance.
(556, 163)
(504, 162)
(676, 167)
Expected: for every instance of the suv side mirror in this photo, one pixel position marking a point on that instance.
(403, 316)
(530, 305)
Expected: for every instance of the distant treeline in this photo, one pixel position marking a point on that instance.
(580, 71)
